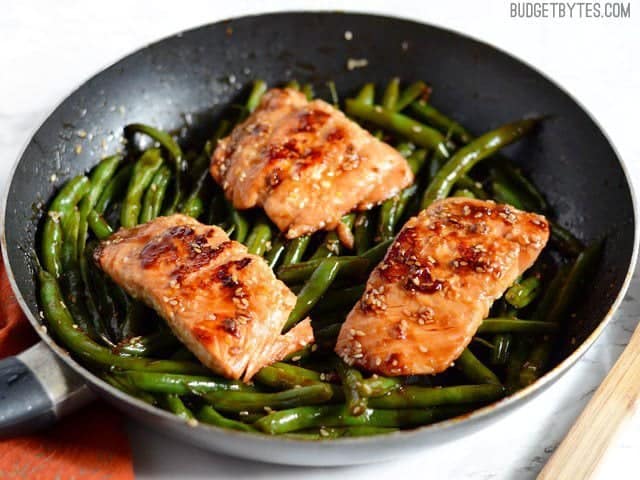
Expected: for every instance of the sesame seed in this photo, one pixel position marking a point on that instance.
(353, 63)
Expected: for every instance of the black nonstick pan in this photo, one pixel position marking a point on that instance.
(188, 79)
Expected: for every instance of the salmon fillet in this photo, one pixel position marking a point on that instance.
(223, 303)
(306, 164)
(424, 302)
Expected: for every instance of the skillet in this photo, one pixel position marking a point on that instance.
(187, 80)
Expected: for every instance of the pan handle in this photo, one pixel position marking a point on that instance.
(36, 389)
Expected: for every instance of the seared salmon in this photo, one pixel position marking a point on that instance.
(306, 164)
(424, 302)
(223, 303)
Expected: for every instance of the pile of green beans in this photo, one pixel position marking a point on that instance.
(311, 395)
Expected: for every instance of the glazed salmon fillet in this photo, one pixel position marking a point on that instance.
(424, 302)
(306, 164)
(223, 303)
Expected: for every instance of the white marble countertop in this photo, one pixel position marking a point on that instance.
(48, 48)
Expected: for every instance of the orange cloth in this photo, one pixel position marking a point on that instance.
(90, 444)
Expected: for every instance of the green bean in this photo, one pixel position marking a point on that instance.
(362, 232)
(483, 342)
(398, 123)
(340, 298)
(474, 369)
(209, 415)
(377, 386)
(391, 211)
(468, 156)
(217, 210)
(105, 294)
(163, 138)
(295, 250)
(464, 193)
(566, 295)
(256, 402)
(318, 283)
(276, 252)
(62, 324)
(534, 199)
(367, 94)
(182, 384)
(146, 345)
(239, 222)
(583, 265)
(439, 120)
(283, 375)
(338, 416)
(474, 187)
(564, 240)
(391, 93)
(417, 160)
(100, 228)
(331, 245)
(307, 89)
(411, 396)
(520, 350)
(52, 233)
(503, 194)
(515, 325)
(123, 385)
(257, 91)
(302, 354)
(223, 129)
(350, 267)
(375, 254)
(175, 152)
(143, 172)
(259, 236)
(411, 93)
(522, 293)
(100, 177)
(333, 92)
(69, 250)
(70, 278)
(114, 189)
(175, 405)
(352, 386)
(155, 194)
(501, 349)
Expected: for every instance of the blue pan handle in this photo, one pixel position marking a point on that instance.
(36, 389)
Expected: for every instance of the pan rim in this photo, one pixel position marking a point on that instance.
(501, 405)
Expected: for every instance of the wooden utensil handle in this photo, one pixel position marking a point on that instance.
(580, 452)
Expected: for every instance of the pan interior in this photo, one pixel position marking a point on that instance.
(185, 82)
